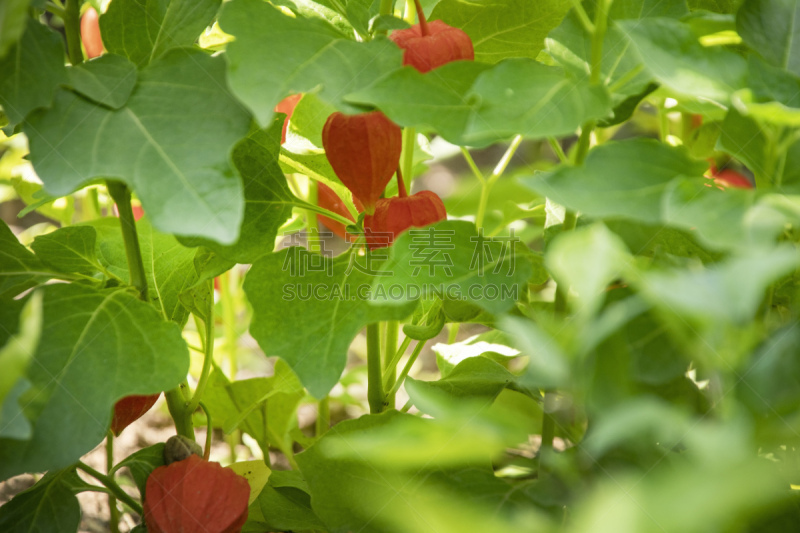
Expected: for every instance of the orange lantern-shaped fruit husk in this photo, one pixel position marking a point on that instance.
(195, 496)
(730, 178)
(328, 199)
(287, 106)
(90, 34)
(364, 151)
(130, 409)
(395, 215)
(428, 45)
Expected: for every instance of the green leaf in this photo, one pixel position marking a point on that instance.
(725, 220)
(642, 170)
(13, 15)
(267, 198)
(240, 404)
(169, 267)
(275, 55)
(548, 365)
(587, 260)
(729, 291)
(108, 80)
(309, 118)
(771, 29)
(141, 463)
(472, 103)
(286, 504)
(492, 345)
(69, 249)
(15, 357)
(296, 290)
(31, 72)
(143, 30)
(175, 158)
(674, 56)
(450, 258)
(19, 268)
(361, 488)
(473, 377)
(108, 339)
(50, 505)
(505, 28)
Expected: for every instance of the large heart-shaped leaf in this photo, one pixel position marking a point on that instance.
(172, 155)
(95, 348)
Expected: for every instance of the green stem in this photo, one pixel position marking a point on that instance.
(583, 17)
(453, 332)
(557, 149)
(113, 511)
(208, 358)
(176, 403)
(227, 280)
(409, 139)
(265, 445)
(375, 383)
(548, 433)
(406, 369)
(111, 485)
(122, 196)
(387, 7)
(209, 431)
(390, 349)
(316, 176)
(471, 162)
(72, 28)
(322, 211)
(686, 127)
(323, 416)
(394, 362)
(663, 123)
(486, 186)
(600, 26)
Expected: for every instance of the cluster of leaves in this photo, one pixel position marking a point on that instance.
(638, 373)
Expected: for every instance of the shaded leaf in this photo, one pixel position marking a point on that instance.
(771, 29)
(50, 505)
(19, 268)
(107, 338)
(31, 72)
(142, 462)
(69, 249)
(108, 80)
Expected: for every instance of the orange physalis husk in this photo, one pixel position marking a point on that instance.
(195, 496)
